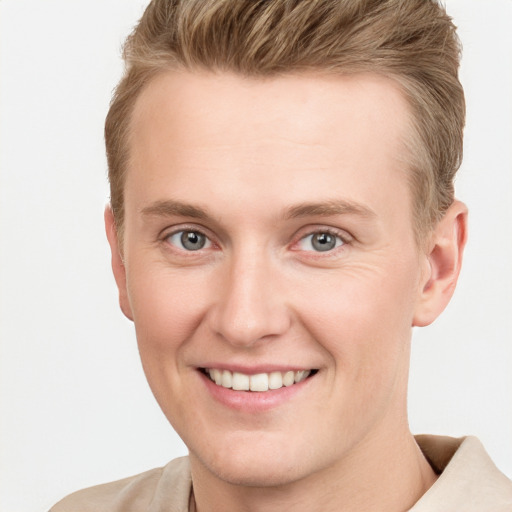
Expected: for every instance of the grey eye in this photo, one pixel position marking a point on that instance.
(323, 241)
(320, 242)
(192, 240)
(189, 240)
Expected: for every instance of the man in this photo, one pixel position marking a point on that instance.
(282, 215)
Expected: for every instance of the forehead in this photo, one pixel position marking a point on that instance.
(227, 130)
(311, 106)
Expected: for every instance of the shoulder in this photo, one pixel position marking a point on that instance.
(146, 491)
(468, 480)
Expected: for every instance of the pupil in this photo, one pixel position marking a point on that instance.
(192, 241)
(323, 242)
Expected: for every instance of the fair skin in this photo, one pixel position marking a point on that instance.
(268, 230)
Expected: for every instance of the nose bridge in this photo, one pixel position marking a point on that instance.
(250, 304)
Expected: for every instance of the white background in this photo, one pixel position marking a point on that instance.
(75, 409)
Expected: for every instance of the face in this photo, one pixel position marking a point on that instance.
(270, 267)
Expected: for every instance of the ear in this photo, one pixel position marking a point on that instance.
(443, 263)
(117, 262)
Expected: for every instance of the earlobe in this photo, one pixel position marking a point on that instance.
(444, 261)
(118, 266)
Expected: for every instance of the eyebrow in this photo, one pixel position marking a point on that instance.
(169, 208)
(329, 208)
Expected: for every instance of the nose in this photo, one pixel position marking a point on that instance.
(250, 304)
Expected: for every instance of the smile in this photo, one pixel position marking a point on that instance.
(260, 382)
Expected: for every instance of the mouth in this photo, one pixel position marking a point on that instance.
(259, 382)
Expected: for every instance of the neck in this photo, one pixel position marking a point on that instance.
(388, 474)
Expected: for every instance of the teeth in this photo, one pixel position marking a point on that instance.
(227, 379)
(259, 382)
(216, 376)
(275, 380)
(288, 378)
(301, 375)
(240, 382)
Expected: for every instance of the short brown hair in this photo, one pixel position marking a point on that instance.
(412, 41)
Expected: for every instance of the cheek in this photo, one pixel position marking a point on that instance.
(167, 306)
(362, 317)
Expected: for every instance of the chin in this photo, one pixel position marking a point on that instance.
(260, 462)
(256, 473)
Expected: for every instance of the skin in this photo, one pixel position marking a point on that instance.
(265, 164)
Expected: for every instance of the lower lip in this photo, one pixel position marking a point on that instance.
(253, 401)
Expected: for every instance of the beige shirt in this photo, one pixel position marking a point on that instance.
(468, 482)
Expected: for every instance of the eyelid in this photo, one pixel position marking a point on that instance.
(184, 226)
(319, 228)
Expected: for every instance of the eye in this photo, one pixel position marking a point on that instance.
(321, 241)
(189, 240)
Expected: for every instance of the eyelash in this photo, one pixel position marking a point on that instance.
(342, 239)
